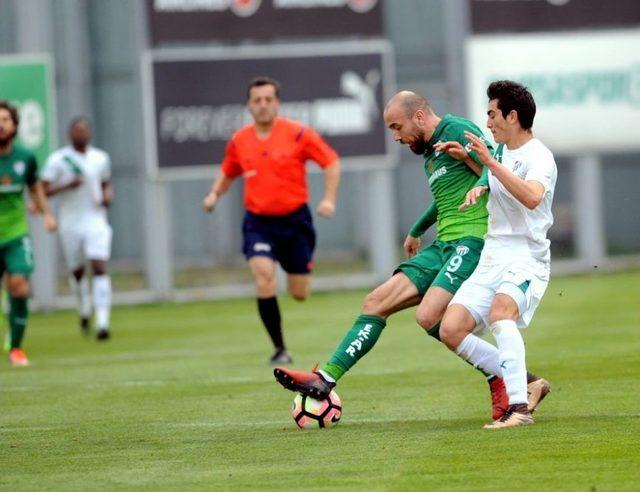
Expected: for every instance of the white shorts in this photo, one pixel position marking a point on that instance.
(524, 280)
(86, 243)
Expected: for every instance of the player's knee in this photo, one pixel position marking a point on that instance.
(300, 294)
(19, 287)
(449, 334)
(426, 319)
(500, 313)
(99, 267)
(373, 303)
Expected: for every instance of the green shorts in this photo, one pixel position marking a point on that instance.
(16, 257)
(443, 264)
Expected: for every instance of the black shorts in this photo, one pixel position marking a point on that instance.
(288, 239)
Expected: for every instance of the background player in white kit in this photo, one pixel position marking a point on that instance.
(512, 275)
(79, 176)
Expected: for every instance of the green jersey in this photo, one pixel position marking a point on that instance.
(450, 180)
(17, 170)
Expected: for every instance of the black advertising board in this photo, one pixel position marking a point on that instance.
(197, 99)
(234, 20)
(494, 16)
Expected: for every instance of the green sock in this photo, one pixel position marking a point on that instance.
(435, 332)
(357, 342)
(18, 319)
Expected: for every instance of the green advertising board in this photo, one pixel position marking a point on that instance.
(27, 82)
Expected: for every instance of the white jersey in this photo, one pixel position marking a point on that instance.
(513, 229)
(79, 207)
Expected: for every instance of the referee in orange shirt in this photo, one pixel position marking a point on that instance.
(271, 155)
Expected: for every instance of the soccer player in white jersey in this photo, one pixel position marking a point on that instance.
(79, 176)
(513, 272)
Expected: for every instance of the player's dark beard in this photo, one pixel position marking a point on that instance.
(418, 146)
(7, 140)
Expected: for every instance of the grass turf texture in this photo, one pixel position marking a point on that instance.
(182, 397)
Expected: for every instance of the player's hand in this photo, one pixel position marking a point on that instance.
(326, 208)
(472, 197)
(477, 145)
(453, 148)
(411, 246)
(77, 181)
(209, 202)
(50, 222)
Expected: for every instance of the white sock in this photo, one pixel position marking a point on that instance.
(512, 359)
(481, 354)
(83, 299)
(102, 300)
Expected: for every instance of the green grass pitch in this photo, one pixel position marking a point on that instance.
(182, 398)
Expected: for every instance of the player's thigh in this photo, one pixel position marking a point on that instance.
(18, 257)
(263, 269)
(299, 285)
(257, 237)
(432, 307)
(97, 242)
(296, 243)
(520, 291)
(460, 260)
(394, 295)
(476, 295)
(423, 268)
(72, 248)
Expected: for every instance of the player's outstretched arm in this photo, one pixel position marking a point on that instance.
(219, 188)
(327, 206)
(529, 193)
(39, 198)
(456, 150)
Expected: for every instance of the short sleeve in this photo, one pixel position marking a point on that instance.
(31, 173)
(543, 170)
(316, 149)
(231, 164)
(51, 170)
(105, 173)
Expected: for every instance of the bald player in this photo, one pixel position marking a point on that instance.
(428, 278)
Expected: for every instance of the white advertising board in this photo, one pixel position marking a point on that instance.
(586, 85)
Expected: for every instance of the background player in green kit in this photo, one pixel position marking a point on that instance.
(428, 278)
(18, 169)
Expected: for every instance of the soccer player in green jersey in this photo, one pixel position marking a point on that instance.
(428, 278)
(18, 169)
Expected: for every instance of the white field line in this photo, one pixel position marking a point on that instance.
(170, 382)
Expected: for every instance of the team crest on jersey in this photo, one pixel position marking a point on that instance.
(431, 166)
(19, 167)
(517, 169)
(462, 250)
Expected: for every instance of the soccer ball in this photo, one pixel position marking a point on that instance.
(309, 413)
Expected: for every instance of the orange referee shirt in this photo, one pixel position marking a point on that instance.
(274, 169)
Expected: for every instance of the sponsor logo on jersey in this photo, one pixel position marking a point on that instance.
(19, 167)
(439, 172)
(462, 250)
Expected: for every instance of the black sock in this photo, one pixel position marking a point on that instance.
(270, 315)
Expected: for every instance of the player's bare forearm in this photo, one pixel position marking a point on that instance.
(529, 193)
(473, 165)
(219, 187)
(39, 199)
(331, 181)
(50, 190)
(107, 193)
